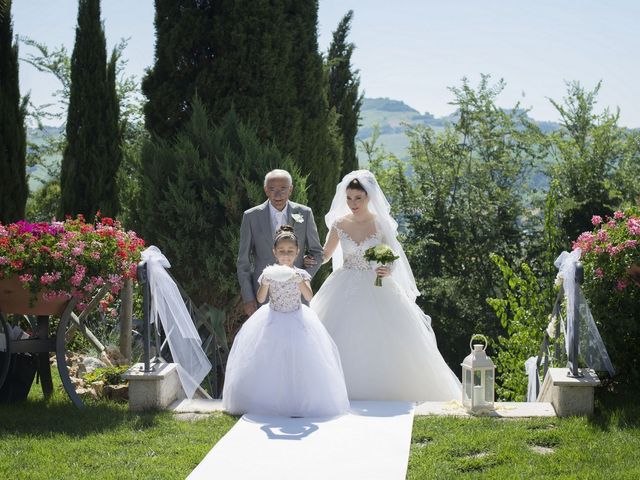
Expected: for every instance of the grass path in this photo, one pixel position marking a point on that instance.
(55, 440)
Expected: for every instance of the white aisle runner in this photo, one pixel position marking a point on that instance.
(371, 442)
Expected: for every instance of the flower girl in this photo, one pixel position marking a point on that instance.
(283, 362)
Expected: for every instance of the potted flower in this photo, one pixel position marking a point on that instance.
(611, 259)
(43, 265)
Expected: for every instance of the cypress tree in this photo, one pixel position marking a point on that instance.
(13, 180)
(343, 92)
(320, 153)
(229, 53)
(184, 56)
(259, 57)
(93, 153)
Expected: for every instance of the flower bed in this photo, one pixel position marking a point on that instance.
(70, 258)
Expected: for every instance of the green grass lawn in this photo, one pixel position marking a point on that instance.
(41, 440)
(55, 440)
(605, 446)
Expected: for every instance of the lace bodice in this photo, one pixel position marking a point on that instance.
(353, 252)
(285, 296)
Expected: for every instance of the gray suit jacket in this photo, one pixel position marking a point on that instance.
(256, 244)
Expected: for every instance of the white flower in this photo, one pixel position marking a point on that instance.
(551, 328)
(559, 279)
(297, 218)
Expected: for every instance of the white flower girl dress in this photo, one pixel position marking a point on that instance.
(283, 362)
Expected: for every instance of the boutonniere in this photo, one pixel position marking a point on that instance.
(297, 218)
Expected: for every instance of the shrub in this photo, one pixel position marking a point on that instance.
(611, 255)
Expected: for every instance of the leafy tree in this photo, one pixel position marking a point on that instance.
(46, 152)
(13, 183)
(195, 188)
(523, 309)
(596, 161)
(93, 152)
(462, 203)
(44, 204)
(625, 178)
(344, 97)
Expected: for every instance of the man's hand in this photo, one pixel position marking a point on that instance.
(250, 307)
(309, 261)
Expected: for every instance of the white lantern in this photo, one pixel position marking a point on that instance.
(478, 375)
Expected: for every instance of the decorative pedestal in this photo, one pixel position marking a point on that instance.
(569, 396)
(154, 390)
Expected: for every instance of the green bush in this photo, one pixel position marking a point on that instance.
(523, 311)
(609, 254)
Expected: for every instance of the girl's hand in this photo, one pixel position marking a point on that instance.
(383, 271)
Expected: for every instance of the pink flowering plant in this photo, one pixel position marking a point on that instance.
(70, 258)
(611, 250)
(611, 259)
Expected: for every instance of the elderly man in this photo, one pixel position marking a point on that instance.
(259, 225)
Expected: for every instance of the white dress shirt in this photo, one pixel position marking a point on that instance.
(278, 218)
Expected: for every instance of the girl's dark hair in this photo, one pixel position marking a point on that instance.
(285, 232)
(356, 185)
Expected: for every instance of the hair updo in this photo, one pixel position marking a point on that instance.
(285, 232)
(356, 185)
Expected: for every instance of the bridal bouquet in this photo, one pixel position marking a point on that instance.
(381, 254)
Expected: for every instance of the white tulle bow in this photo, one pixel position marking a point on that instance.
(169, 308)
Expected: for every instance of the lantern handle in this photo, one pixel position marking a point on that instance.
(478, 335)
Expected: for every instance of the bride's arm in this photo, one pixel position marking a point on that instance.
(330, 245)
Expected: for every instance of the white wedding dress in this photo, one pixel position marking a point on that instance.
(387, 347)
(283, 362)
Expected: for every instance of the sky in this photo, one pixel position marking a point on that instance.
(414, 50)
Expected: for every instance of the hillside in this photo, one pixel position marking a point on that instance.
(393, 116)
(37, 174)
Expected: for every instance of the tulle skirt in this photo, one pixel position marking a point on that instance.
(284, 364)
(387, 347)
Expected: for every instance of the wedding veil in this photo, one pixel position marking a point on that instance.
(379, 206)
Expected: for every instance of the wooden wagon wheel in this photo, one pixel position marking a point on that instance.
(69, 323)
(5, 349)
(61, 355)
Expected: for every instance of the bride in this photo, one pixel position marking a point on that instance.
(386, 343)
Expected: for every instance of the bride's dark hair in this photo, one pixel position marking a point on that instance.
(356, 185)
(285, 232)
